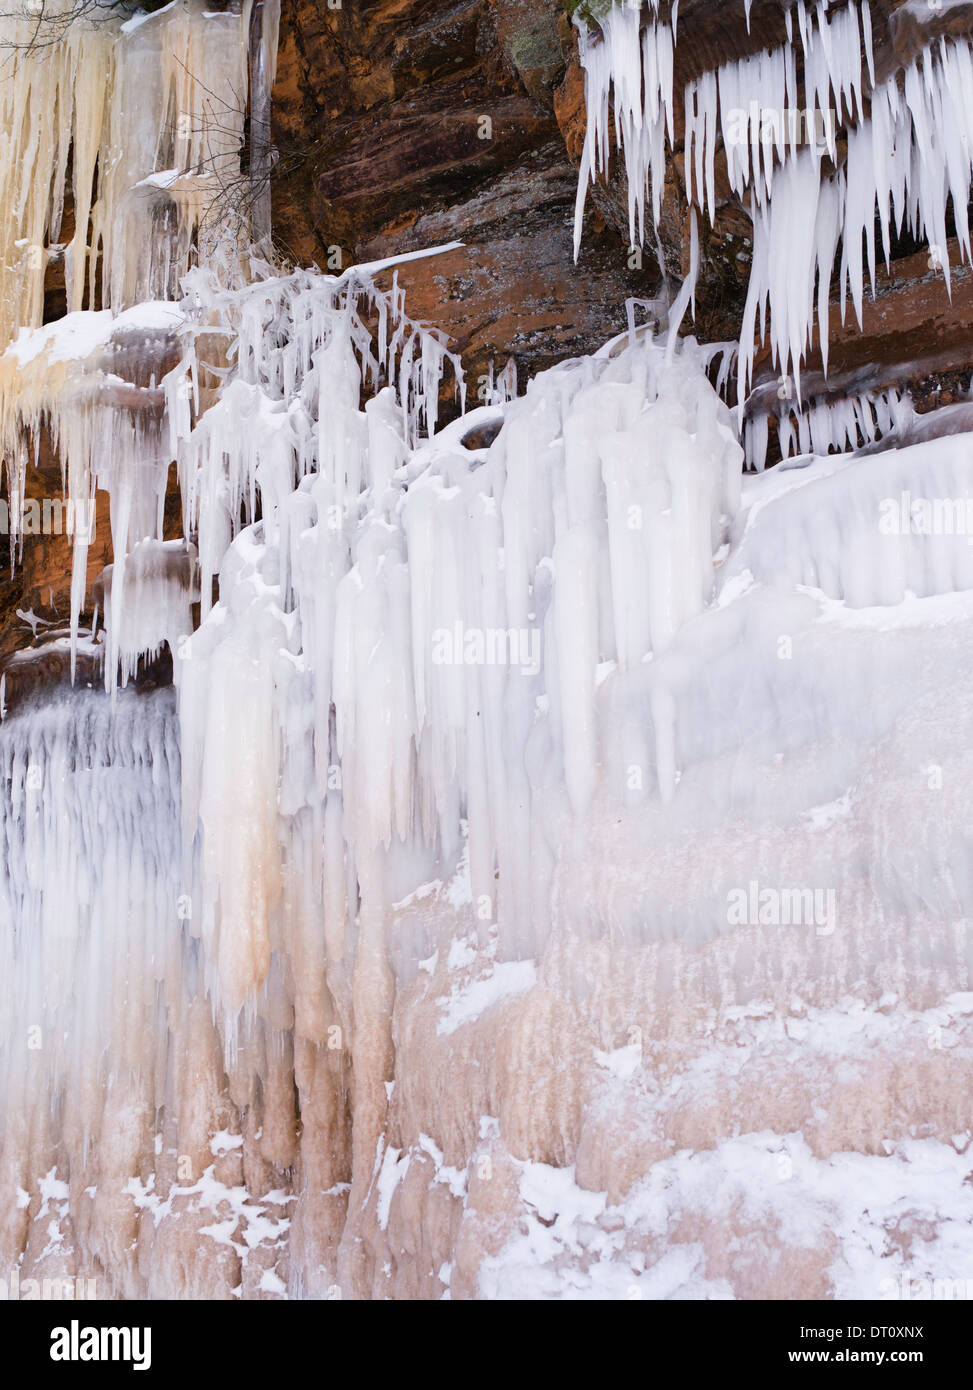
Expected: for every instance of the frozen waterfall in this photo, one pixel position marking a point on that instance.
(550, 871)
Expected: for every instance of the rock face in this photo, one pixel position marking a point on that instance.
(404, 124)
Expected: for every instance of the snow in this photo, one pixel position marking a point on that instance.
(370, 269)
(391, 1173)
(76, 335)
(80, 335)
(823, 817)
(468, 1003)
(242, 1224)
(163, 178)
(855, 1225)
(623, 1061)
(145, 17)
(596, 1251)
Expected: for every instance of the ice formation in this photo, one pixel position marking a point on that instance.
(776, 116)
(907, 163)
(551, 873)
(110, 103)
(822, 426)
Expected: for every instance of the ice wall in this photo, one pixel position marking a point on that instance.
(467, 923)
(91, 964)
(399, 849)
(508, 870)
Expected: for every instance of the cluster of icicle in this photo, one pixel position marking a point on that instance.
(298, 350)
(751, 105)
(108, 432)
(823, 426)
(146, 117)
(346, 734)
(303, 346)
(347, 610)
(89, 836)
(143, 119)
(906, 162)
(907, 159)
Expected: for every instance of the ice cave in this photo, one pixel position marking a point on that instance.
(487, 803)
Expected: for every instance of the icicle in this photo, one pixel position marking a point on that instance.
(155, 608)
(895, 162)
(630, 69)
(823, 426)
(398, 613)
(687, 294)
(156, 104)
